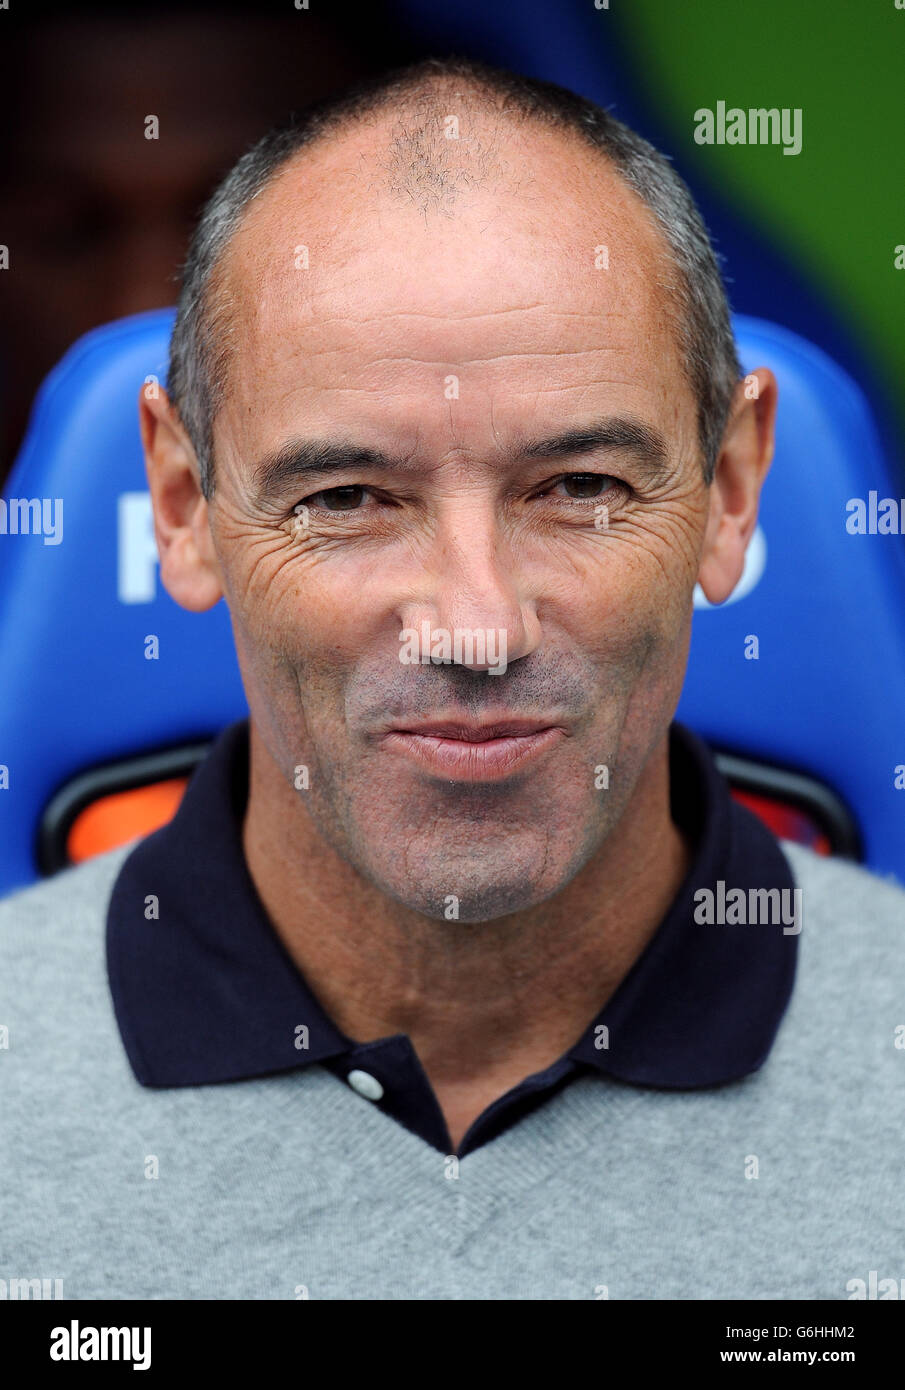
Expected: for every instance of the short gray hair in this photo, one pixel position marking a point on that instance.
(200, 346)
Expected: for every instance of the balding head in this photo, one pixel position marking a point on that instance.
(438, 129)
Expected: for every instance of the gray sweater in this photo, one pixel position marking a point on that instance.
(787, 1184)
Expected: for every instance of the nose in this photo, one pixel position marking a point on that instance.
(470, 598)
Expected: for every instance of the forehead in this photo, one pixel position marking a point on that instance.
(526, 268)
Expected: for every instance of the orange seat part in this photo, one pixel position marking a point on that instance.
(114, 820)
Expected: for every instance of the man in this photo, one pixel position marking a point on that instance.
(454, 425)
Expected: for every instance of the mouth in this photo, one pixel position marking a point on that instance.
(464, 751)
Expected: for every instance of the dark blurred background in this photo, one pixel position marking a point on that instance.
(96, 216)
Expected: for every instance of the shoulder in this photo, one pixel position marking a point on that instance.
(58, 912)
(852, 939)
(840, 891)
(63, 1070)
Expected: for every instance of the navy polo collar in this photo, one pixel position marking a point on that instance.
(204, 990)
(702, 1004)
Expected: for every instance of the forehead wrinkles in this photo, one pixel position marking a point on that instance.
(366, 215)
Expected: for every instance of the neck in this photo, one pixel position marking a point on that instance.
(515, 992)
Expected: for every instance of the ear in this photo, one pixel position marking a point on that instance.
(744, 459)
(188, 562)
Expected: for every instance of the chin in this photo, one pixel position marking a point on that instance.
(470, 887)
(479, 904)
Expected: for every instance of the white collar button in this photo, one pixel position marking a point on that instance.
(365, 1084)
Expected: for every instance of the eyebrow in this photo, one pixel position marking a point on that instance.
(615, 434)
(299, 459)
(303, 459)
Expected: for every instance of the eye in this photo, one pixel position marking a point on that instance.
(339, 499)
(585, 486)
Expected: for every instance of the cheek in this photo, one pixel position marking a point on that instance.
(301, 625)
(284, 595)
(631, 589)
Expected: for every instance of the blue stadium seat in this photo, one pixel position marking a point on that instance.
(822, 704)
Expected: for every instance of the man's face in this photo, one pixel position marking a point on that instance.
(455, 342)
